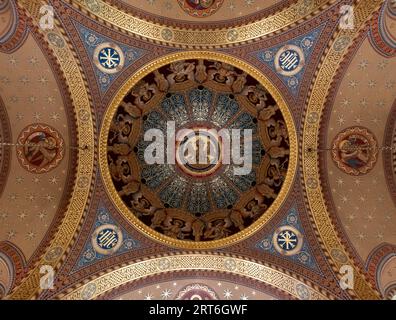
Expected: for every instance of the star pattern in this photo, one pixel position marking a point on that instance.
(31, 94)
(171, 290)
(363, 203)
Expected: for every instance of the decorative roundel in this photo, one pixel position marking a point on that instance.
(107, 239)
(109, 58)
(197, 292)
(188, 192)
(302, 291)
(287, 240)
(289, 60)
(355, 151)
(40, 148)
(200, 8)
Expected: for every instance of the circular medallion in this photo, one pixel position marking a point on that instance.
(107, 239)
(196, 152)
(40, 148)
(289, 60)
(56, 40)
(287, 240)
(200, 8)
(88, 291)
(355, 151)
(302, 291)
(197, 292)
(109, 58)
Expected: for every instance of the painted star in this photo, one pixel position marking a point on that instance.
(41, 215)
(53, 180)
(353, 84)
(19, 179)
(30, 235)
(54, 116)
(22, 215)
(148, 296)
(11, 234)
(341, 120)
(227, 294)
(363, 64)
(43, 80)
(33, 61)
(166, 294)
(13, 61)
(24, 80)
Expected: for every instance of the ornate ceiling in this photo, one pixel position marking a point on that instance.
(314, 83)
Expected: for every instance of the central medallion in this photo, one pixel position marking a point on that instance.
(198, 151)
(205, 158)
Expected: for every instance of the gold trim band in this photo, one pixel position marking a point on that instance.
(215, 263)
(203, 38)
(85, 165)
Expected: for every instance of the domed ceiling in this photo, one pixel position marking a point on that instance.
(197, 149)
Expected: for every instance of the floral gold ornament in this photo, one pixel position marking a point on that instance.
(197, 90)
(310, 160)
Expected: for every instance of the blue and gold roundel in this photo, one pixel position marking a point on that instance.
(287, 240)
(289, 60)
(107, 239)
(109, 58)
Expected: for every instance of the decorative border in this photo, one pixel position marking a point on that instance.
(210, 262)
(5, 151)
(86, 156)
(310, 160)
(377, 257)
(389, 154)
(366, 133)
(103, 139)
(200, 37)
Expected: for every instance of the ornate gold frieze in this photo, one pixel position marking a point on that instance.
(203, 38)
(113, 279)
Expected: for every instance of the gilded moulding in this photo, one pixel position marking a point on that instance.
(215, 263)
(103, 141)
(203, 38)
(30, 286)
(363, 10)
